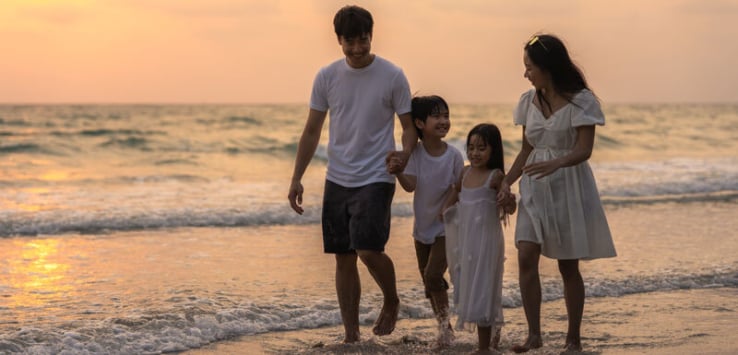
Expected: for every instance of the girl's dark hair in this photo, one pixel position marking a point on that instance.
(424, 106)
(492, 137)
(352, 21)
(549, 54)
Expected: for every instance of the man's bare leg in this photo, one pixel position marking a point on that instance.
(348, 289)
(530, 292)
(383, 271)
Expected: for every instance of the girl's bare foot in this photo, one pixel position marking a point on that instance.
(533, 342)
(496, 339)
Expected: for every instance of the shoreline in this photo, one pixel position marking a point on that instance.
(671, 322)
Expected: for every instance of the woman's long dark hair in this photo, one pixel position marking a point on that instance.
(492, 137)
(549, 54)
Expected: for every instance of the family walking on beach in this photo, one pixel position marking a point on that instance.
(459, 211)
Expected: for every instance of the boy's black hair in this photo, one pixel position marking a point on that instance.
(492, 137)
(424, 106)
(352, 21)
(549, 53)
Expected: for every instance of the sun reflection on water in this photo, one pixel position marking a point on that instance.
(38, 274)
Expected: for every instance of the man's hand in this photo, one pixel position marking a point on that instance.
(295, 196)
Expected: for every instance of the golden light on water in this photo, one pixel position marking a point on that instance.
(55, 176)
(37, 273)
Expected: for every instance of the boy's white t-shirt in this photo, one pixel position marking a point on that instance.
(362, 104)
(434, 176)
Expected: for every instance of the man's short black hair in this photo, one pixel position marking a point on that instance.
(353, 21)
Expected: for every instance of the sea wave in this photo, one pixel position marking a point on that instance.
(119, 218)
(197, 320)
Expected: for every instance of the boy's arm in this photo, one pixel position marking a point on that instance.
(408, 182)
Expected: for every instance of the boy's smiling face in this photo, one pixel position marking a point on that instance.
(436, 125)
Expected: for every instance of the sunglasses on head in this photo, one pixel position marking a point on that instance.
(536, 39)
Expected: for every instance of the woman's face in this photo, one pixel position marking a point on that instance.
(537, 77)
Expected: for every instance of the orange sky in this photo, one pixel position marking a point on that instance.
(257, 51)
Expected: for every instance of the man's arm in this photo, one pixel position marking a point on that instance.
(409, 140)
(305, 151)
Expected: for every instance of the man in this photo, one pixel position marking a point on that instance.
(362, 92)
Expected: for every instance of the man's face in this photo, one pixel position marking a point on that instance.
(357, 50)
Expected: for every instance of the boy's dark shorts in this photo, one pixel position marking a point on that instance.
(356, 218)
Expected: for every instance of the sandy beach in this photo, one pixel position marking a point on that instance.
(679, 322)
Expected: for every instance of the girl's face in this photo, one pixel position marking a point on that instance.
(534, 74)
(436, 125)
(478, 152)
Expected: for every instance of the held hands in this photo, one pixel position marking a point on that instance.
(506, 199)
(295, 196)
(396, 161)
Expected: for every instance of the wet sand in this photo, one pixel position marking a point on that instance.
(677, 322)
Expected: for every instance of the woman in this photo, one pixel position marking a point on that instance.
(560, 213)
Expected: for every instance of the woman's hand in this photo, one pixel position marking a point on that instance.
(543, 168)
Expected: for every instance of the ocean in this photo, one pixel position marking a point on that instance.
(160, 228)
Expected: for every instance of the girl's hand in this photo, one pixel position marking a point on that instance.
(504, 192)
(542, 169)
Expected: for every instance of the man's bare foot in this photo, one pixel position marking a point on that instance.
(533, 342)
(572, 346)
(387, 318)
(352, 337)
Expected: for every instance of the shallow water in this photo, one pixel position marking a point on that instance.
(148, 229)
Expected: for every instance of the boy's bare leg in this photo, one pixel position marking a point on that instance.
(530, 292)
(383, 271)
(439, 302)
(348, 289)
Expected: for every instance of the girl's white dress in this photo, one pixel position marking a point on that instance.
(562, 212)
(475, 250)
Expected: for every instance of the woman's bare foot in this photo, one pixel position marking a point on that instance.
(387, 319)
(533, 342)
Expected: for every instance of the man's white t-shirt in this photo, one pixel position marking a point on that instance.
(434, 176)
(362, 104)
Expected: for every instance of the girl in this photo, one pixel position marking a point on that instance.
(561, 215)
(475, 244)
(432, 169)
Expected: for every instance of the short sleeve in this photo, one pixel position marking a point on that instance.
(458, 164)
(586, 110)
(318, 97)
(520, 115)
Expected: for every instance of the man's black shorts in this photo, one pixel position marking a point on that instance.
(356, 218)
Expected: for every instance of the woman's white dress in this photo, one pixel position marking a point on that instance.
(475, 250)
(562, 212)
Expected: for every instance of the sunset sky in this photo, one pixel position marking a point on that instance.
(268, 51)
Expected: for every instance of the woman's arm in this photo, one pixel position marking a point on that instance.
(581, 152)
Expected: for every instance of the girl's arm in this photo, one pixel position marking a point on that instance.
(453, 193)
(581, 152)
